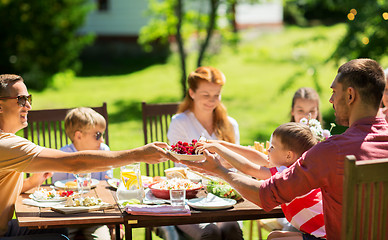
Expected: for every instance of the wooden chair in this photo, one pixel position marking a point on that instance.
(156, 119)
(46, 127)
(365, 199)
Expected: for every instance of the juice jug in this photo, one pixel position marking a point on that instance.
(130, 186)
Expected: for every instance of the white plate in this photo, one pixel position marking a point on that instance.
(113, 182)
(186, 157)
(56, 199)
(211, 203)
(62, 207)
(61, 184)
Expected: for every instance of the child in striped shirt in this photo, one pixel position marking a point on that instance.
(289, 141)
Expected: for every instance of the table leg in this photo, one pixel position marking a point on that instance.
(128, 231)
(117, 230)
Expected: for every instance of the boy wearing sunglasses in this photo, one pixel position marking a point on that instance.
(85, 128)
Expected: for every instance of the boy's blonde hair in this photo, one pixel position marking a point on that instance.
(296, 137)
(82, 118)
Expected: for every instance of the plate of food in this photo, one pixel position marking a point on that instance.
(186, 151)
(44, 195)
(71, 184)
(78, 205)
(222, 189)
(162, 189)
(211, 202)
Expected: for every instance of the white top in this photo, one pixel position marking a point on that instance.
(57, 176)
(186, 127)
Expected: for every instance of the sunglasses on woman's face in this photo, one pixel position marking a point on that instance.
(22, 99)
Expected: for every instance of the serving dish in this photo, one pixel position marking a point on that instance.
(186, 157)
(165, 193)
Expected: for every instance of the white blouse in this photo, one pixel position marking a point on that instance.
(186, 127)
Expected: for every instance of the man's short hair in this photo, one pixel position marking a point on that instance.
(5, 80)
(82, 119)
(296, 137)
(366, 76)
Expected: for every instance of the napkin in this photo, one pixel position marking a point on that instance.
(32, 202)
(157, 210)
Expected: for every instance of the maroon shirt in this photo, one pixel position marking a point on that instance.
(323, 167)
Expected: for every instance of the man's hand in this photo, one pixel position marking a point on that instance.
(35, 180)
(155, 152)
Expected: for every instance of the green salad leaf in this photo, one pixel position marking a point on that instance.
(222, 189)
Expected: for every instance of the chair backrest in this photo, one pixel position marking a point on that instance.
(365, 199)
(156, 119)
(46, 127)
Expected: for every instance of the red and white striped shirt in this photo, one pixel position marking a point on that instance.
(305, 212)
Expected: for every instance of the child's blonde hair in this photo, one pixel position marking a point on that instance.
(296, 137)
(82, 118)
(308, 94)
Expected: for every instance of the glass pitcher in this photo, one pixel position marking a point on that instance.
(130, 186)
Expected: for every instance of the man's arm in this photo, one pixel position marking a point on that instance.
(246, 186)
(95, 161)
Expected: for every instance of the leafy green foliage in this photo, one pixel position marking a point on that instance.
(367, 30)
(39, 38)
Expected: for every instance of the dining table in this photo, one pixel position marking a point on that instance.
(43, 217)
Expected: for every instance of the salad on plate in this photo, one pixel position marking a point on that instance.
(44, 195)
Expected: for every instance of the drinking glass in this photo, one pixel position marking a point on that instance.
(84, 182)
(177, 197)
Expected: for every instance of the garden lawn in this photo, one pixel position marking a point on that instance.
(262, 75)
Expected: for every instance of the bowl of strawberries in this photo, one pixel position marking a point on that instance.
(186, 151)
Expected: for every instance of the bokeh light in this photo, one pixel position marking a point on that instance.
(351, 16)
(365, 40)
(354, 11)
(385, 16)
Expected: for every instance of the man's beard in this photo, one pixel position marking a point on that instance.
(342, 120)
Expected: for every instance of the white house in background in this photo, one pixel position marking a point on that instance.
(123, 19)
(268, 13)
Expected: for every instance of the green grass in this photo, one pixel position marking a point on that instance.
(262, 75)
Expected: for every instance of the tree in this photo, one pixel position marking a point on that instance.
(367, 30)
(39, 38)
(183, 19)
